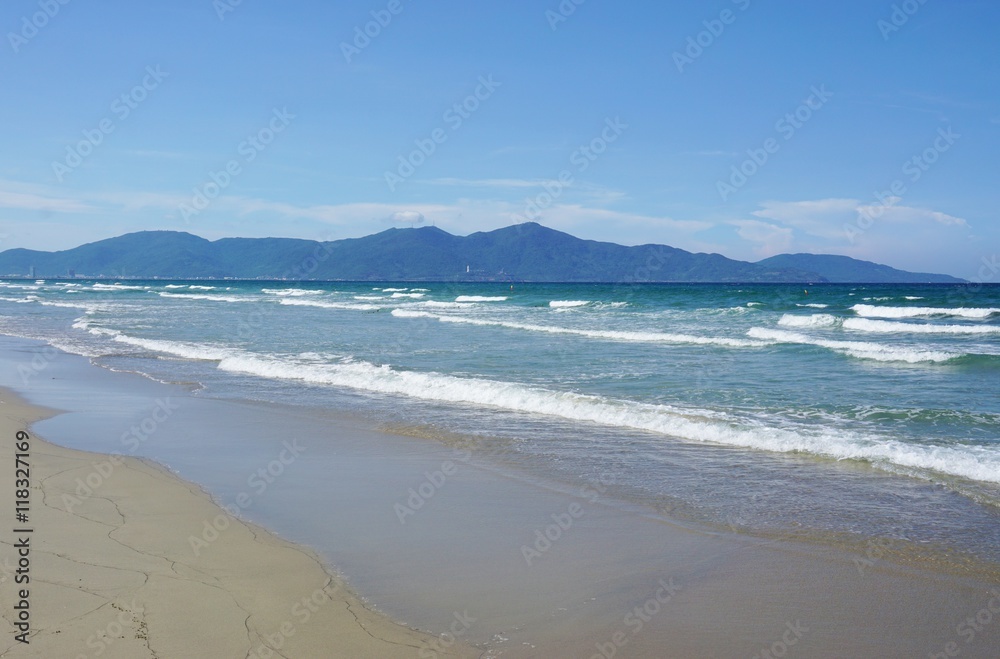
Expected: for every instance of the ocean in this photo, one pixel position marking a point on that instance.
(828, 413)
(861, 416)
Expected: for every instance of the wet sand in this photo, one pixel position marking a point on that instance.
(113, 572)
(611, 578)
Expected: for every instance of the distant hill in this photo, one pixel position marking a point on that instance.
(852, 271)
(524, 252)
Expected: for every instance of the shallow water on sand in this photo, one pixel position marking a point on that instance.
(473, 557)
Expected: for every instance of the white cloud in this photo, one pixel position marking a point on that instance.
(769, 239)
(908, 214)
(35, 202)
(406, 217)
(826, 218)
(823, 218)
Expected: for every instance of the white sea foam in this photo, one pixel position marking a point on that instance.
(89, 307)
(860, 349)
(443, 305)
(329, 305)
(872, 311)
(391, 290)
(198, 351)
(568, 304)
(813, 305)
(201, 288)
(614, 335)
(117, 287)
(978, 463)
(913, 297)
(204, 296)
(409, 295)
(176, 286)
(290, 292)
(887, 326)
(83, 323)
(370, 297)
(480, 298)
(814, 320)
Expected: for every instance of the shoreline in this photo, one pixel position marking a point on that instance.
(108, 578)
(570, 601)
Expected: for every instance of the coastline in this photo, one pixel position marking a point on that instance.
(695, 591)
(112, 573)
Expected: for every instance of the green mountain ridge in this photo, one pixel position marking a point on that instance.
(523, 252)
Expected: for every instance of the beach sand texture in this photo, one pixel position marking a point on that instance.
(117, 577)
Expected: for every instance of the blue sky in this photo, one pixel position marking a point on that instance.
(742, 127)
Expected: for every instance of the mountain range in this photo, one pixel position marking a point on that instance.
(523, 252)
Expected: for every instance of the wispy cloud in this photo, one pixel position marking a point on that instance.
(768, 239)
(590, 192)
(35, 202)
(825, 218)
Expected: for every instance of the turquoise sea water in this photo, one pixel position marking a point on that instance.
(863, 410)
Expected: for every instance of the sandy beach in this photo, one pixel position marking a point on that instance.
(113, 571)
(129, 559)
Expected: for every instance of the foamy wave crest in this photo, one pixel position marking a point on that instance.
(813, 305)
(410, 295)
(913, 297)
(568, 304)
(178, 349)
(200, 296)
(686, 424)
(872, 311)
(614, 335)
(89, 307)
(887, 326)
(860, 349)
(329, 305)
(291, 292)
(815, 320)
(480, 298)
(83, 324)
(431, 304)
(201, 288)
(176, 286)
(117, 287)
(391, 290)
